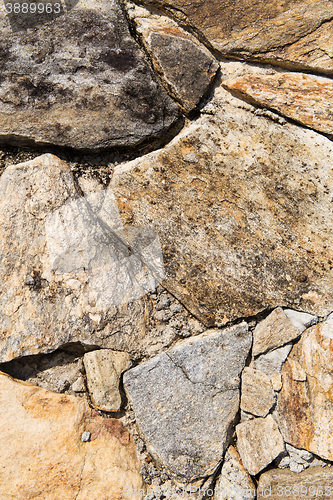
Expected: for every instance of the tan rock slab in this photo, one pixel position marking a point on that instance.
(314, 482)
(306, 99)
(272, 332)
(234, 482)
(304, 409)
(103, 370)
(257, 395)
(272, 30)
(43, 456)
(242, 208)
(276, 381)
(259, 442)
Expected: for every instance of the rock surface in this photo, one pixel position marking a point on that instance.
(103, 370)
(186, 67)
(274, 331)
(300, 320)
(312, 483)
(234, 483)
(42, 454)
(259, 441)
(243, 213)
(304, 409)
(294, 33)
(257, 392)
(186, 399)
(306, 99)
(84, 82)
(271, 362)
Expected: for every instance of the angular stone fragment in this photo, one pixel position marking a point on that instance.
(291, 32)
(274, 331)
(314, 482)
(82, 81)
(234, 483)
(300, 320)
(304, 409)
(186, 399)
(243, 212)
(271, 362)
(42, 454)
(306, 99)
(61, 266)
(103, 370)
(259, 441)
(276, 381)
(186, 67)
(257, 392)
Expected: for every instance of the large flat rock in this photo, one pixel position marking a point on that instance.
(186, 399)
(78, 79)
(242, 206)
(293, 32)
(43, 456)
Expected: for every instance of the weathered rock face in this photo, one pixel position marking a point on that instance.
(243, 212)
(186, 67)
(257, 392)
(84, 82)
(234, 482)
(43, 455)
(304, 405)
(315, 482)
(306, 99)
(186, 399)
(274, 31)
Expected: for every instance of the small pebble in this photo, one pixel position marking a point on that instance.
(85, 437)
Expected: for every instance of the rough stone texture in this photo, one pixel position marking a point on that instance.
(306, 99)
(304, 406)
(271, 362)
(300, 320)
(185, 66)
(42, 455)
(257, 395)
(313, 483)
(83, 81)
(103, 370)
(289, 32)
(234, 483)
(186, 399)
(243, 212)
(274, 331)
(276, 381)
(259, 441)
(59, 270)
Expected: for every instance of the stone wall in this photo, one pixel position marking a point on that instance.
(166, 266)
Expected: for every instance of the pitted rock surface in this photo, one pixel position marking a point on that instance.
(186, 399)
(79, 80)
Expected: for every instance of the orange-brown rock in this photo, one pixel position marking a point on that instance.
(294, 33)
(304, 410)
(43, 455)
(306, 99)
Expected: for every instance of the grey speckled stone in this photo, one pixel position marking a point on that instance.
(186, 399)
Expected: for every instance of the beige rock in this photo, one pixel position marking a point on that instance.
(103, 370)
(234, 198)
(234, 483)
(276, 381)
(257, 395)
(259, 441)
(314, 482)
(274, 331)
(306, 99)
(304, 409)
(43, 456)
(273, 30)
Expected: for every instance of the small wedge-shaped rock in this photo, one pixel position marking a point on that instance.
(234, 482)
(78, 80)
(312, 483)
(306, 99)
(300, 320)
(186, 67)
(259, 441)
(257, 392)
(186, 399)
(274, 331)
(103, 370)
(272, 361)
(304, 409)
(54, 447)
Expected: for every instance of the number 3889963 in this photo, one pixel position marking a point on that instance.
(33, 8)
